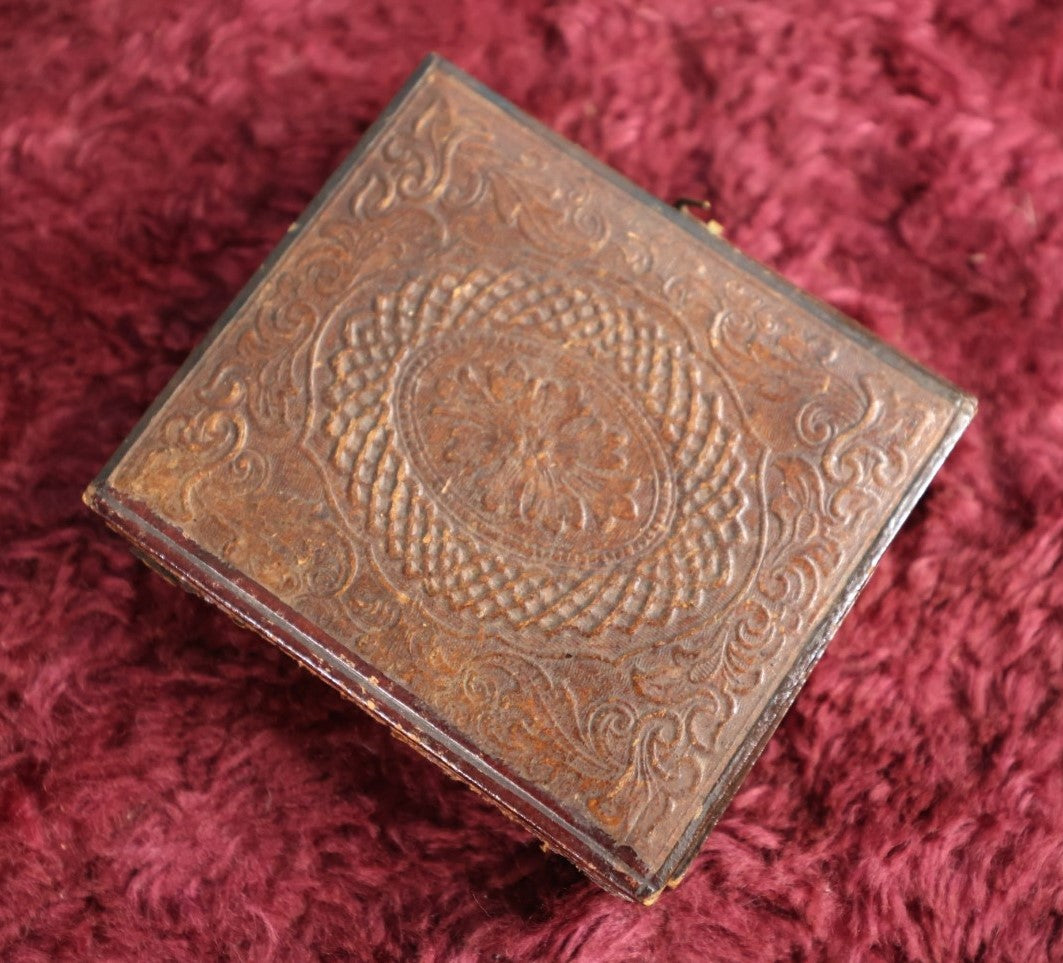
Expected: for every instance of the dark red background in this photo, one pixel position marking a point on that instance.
(172, 788)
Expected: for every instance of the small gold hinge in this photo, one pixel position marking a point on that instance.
(687, 204)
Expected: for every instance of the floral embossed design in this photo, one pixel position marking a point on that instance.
(536, 447)
(670, 534)
(532, 447)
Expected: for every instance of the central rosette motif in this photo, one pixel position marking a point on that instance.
(538, 448)
(532, 447)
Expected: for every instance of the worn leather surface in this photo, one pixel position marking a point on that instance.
(586, 489)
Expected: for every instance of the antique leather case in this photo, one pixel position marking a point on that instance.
(537, 471)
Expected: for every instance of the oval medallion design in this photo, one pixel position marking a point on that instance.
(533, 448)
(540, 457)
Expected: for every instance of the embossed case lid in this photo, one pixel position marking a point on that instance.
(561, 487)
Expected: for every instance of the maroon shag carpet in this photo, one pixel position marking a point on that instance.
(173, 788)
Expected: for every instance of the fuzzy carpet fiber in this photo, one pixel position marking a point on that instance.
(172, 788)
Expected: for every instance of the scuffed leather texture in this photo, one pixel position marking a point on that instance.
(566, 488)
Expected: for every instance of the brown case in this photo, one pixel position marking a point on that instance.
(537, 471)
